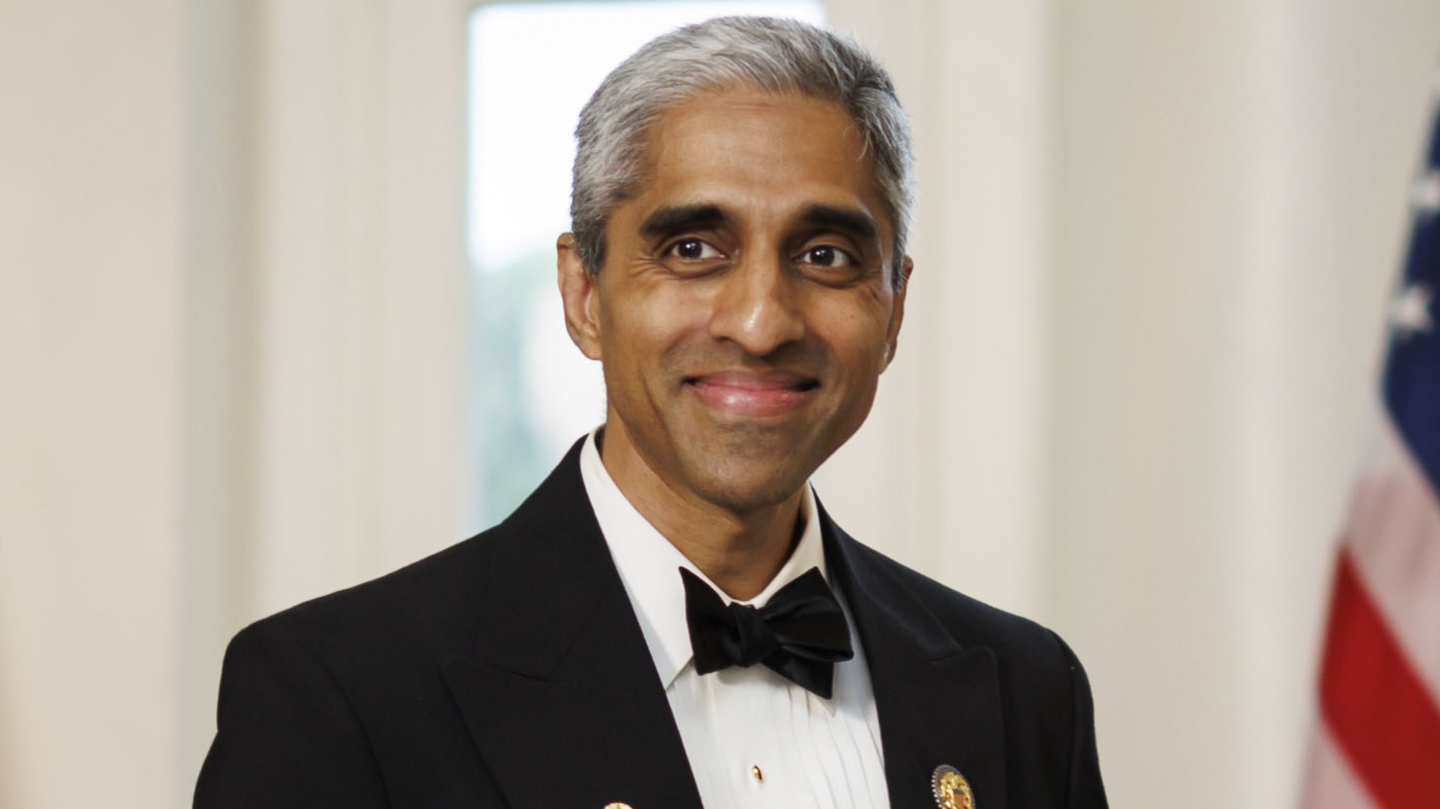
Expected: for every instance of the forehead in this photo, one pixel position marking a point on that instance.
(761, 149)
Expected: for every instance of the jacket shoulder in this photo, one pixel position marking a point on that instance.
(969, 620)
(424, 602)
(435, 606)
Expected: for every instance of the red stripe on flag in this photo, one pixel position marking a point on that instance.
(1379, 712)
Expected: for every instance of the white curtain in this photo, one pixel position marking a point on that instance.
(1153, 251)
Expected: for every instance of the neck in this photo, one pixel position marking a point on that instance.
(740, 550)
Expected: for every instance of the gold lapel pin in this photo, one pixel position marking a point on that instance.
(951, 789)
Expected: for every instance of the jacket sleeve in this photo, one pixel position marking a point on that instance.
(1087, 791)
(286, 735)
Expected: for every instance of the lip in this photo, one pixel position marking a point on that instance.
(753, 393)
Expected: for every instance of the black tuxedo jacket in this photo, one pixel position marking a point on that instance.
(509, 671)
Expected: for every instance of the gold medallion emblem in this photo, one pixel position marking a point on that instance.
(951, 789)
(617, 806)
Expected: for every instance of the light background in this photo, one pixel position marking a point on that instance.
(1154, 247)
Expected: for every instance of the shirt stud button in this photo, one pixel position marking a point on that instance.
(756, 774)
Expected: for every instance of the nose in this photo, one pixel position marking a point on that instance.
(758, 307)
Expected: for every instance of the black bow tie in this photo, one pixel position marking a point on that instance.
(800, 633)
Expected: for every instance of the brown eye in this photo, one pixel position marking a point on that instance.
(826, 256)
(693, 250)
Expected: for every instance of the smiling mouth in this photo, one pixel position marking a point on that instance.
(753, 393)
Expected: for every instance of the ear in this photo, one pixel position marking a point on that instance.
(897, 310)
(577, 291)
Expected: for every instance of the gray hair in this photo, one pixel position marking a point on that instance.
(774, 55)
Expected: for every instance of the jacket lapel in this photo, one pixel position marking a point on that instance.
(938, 702)
(561, 695)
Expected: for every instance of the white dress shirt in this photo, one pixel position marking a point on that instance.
(753, 738)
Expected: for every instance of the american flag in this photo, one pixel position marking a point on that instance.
(1378, 744)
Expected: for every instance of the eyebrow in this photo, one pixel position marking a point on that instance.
(847, 220)
(671, 218)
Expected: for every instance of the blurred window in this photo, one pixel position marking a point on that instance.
(532, 66)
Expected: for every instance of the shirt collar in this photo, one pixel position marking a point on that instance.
(648, 564)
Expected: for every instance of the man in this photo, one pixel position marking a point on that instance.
(671, 619)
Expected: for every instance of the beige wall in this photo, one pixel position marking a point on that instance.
(91, 321)
(231, 353)
(1232, 187)
(1154, 244)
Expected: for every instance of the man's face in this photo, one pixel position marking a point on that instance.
(745, 310)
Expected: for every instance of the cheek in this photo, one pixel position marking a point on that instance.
(643, 329)
(856, 334)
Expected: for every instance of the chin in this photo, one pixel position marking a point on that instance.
(747, 485)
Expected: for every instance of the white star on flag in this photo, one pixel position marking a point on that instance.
(1410, 311)
(1425, 193)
